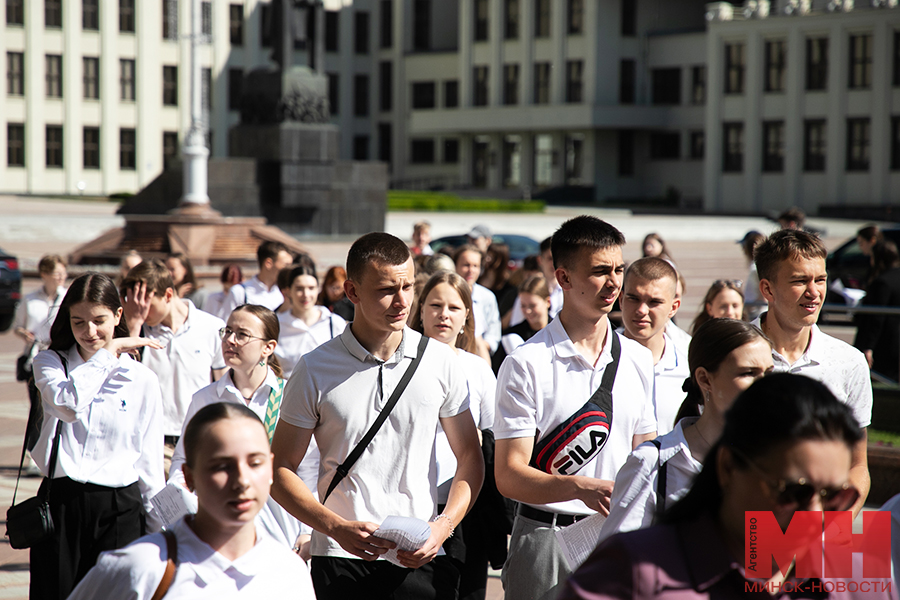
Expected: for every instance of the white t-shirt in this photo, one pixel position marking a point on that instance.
(546, 380)
(36, 314)
(841, 367)
(669, 375)
(183, 365)
(296, 338)
(213, 304)
(487, 315)
(267, 570)
(335, 391)
(633, 502)
(252, 291)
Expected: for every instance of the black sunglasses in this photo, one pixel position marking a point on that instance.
(799, 494)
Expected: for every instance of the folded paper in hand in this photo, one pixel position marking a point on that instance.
(174, 502)
(408, 533)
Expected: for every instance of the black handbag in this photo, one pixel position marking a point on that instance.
(23, 367)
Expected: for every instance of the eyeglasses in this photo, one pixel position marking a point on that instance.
(798, 494)
(735, 283)
(240, 338)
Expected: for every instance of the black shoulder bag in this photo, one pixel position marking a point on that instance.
(344, 468)
(581, 437)
(30, 523)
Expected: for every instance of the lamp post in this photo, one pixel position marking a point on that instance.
(195, 155)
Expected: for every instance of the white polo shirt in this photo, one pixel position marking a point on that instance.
(633, 502)
(338, 390)
(487, 315)
(184, 362)
(296, 338)
(252, 291)
(36, 314)
(546, 380)
(268, 570)
(840, 366)
(668, 381)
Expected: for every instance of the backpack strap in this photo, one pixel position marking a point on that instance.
(660, 483)
(169, 574)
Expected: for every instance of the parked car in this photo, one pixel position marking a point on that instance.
(520, 246)
(848, 264)
(10, 289)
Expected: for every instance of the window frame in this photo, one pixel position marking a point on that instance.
(53, 148)
(127, 91)
(53, 75)
(860, 63)
(775, 65)
(126, 16)
(236, 25)
(733, 150)
(90, 81)
(859, 149)
(511, 84)
(127, 149)
(817, 49)
(15, 79)
(735, 68)
(170, 85)
(815, 145)
(773, 146)
(90, 149)
(15, 145)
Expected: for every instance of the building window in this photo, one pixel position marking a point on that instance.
(127, 149)
(387, 23)
(480, 151)
(667, 86)
(511, 169)
(541, 18)
(481, 20)
(206, 91)
(361, 27)
(698, 85)
(543, 160)
(480, 86)
(15, 144)
(170, 86)
(697, 145)
(15, 73)
(91, 77)
(386, 85)
(665, 145)
(814, 145)
(361, 95)
(510, 85)
(360, 147)
(170, 20)
(773, 146)
(421, 152)
(897, 58)
(126, 16)
(629, 18)
(626, 153)
(574, 81)
(575, 17)
(422, 25)
(236, 24)
(332, 29)
(816, 64)
(54, 146)
(385, 143)
(858, 137)
(126, 79)
(15, 12)
(53, 14)
(54, 76)
(895, 143)
(334, 93)
(266, 24)
(734, 68)
(776, 65)
(451, 151)
(170, 148)
(541, 83)
(511, 20)
(574, 158)
(733, 150)
(860, 61)
(91, 147)
(423, 95)
(90, 15)
(626, 81)
(451, 94)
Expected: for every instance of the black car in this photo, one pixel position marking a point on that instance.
(520, 246)
(850, 265)
(10, 289)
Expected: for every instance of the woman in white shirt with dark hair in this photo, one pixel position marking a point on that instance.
(106, 408)
(220, 552)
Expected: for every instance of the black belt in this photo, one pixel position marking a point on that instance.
(171, 439)
(552, 519)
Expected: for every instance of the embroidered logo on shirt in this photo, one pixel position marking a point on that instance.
(123, 406)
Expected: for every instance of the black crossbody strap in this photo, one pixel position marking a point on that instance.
(660, 483)
(344, 468)
(609, 375)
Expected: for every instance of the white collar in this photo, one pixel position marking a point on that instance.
(565, 348)
(406, 349)
(226, 384)
(210, 566)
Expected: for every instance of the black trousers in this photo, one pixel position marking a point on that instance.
(337, 578)
(88, 520)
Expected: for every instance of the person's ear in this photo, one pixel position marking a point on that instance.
(701, 375)
(188, 476)
(767, 289)
(563, 279)
(118, 316)
(676, 303)
(169, 294)
(351, 291)
(269, 348)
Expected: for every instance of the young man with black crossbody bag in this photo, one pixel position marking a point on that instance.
(572, 403)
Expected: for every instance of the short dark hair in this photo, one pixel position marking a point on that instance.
(377, 247)
(209, 414)
(270, 249)
(582, 232)
(652, 268)
(786, 244)
(153, 273)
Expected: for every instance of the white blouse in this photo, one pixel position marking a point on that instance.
(112, 421)
(36, 314)
(296, 338)
(268, 570)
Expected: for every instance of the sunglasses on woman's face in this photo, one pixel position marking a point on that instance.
(800, 493)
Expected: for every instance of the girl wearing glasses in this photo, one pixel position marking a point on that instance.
(724, 300)
(797, 461)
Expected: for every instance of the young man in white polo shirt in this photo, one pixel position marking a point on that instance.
(547, 381)
(262, 288)
(648, 302)
(793, 280)
(335, 393)
(191, 356)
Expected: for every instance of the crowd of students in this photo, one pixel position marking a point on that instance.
(431, 386)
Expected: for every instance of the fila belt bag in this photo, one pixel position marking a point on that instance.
(581, 437)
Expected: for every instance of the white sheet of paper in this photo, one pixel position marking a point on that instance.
(578, 540)
(174, 502)
(408, 533)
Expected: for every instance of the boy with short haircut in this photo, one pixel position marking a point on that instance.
(336, 392)
(191, 356)
(648, 302)
(421, 238)
(262, 288)
(577, 367)
(793, 280)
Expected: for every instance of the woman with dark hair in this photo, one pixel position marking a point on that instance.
(179, 266)
(105, 408)
(534, 301)
(724, 300)
(799, 461)
(654, 245)
(219, 552)
(725, 357)
(876, 334)
(867, 237)
(231, 276)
